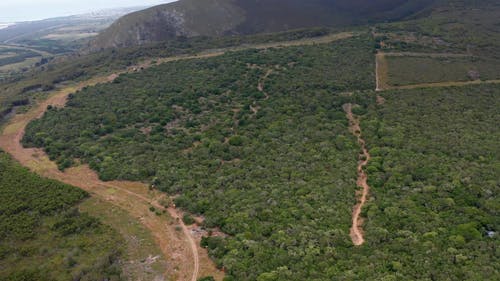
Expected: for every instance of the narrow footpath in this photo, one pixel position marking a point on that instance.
(356, 231)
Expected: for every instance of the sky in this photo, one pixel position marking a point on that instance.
(27, 10)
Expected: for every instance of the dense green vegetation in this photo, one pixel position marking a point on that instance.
(51, 72)
(44, 237)
(466, 26)
(407, 70)
(434, 177)
(277, 174)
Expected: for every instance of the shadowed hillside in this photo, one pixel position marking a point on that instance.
(225, 17)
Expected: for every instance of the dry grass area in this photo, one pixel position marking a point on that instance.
(143, 260)
(447, 84)
(383, 72)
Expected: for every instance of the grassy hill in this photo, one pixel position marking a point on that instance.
(225, 17)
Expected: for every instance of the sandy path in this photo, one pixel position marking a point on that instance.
(356, 231)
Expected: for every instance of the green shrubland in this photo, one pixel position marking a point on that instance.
(276, 170)
(44, 237)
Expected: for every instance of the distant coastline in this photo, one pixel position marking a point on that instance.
(5, 25)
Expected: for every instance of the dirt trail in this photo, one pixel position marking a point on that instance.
(260, 85)
(194, 249)
(356, 231)
(381, 72)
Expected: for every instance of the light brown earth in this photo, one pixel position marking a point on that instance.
(356, 231)
(381, 72)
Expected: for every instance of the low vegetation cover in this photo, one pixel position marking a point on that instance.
(256, 141)
(44, 237)
(408, 70)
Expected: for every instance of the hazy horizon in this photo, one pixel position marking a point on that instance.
(30, 10)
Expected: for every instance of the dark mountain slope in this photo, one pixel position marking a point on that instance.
(223, 17)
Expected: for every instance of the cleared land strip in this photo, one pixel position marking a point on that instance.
(446, 84)
(382, 72)
(429, 55)
(187, 260)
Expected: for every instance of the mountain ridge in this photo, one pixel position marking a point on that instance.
(190, 18)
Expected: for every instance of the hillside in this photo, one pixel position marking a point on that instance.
(62, 34)
(363, 152)
(43, 236)
(257, 143)
(190, 18)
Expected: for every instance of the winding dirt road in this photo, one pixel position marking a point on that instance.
(356, 231)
